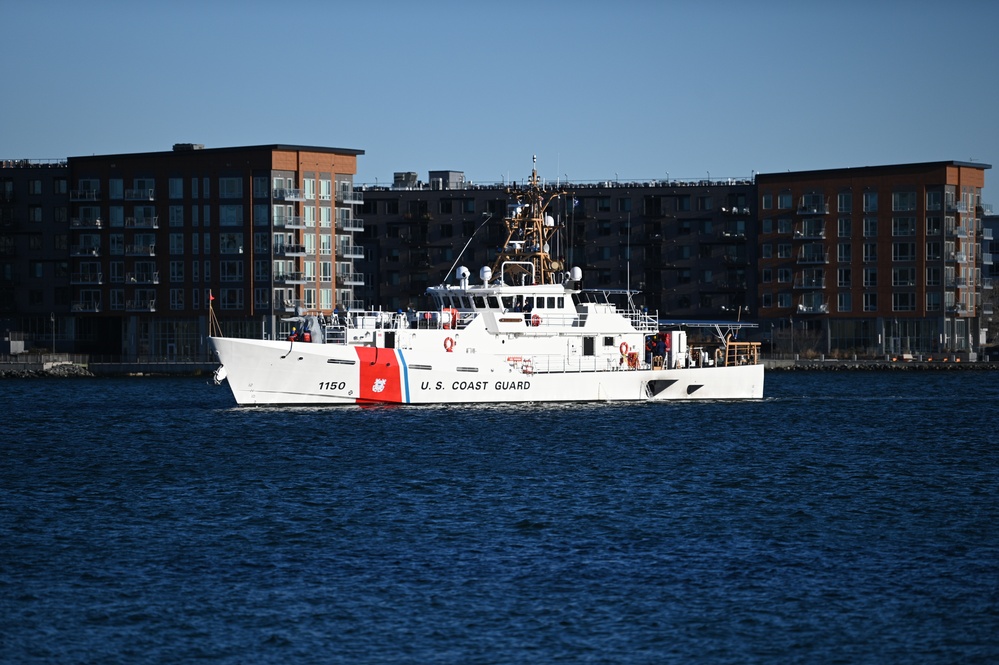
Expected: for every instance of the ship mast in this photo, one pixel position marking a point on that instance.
(529, 235)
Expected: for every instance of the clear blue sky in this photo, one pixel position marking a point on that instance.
(597, 90)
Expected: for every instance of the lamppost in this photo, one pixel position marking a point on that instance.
(52, 319)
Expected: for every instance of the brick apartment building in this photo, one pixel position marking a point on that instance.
(882, 260)
(124, 251)
(121, 254)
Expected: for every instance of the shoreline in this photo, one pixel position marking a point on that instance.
(148, 370)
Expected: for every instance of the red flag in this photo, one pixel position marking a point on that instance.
(210, 296)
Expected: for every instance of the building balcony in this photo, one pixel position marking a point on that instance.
(813, 308)
(957, 232)
(957, 309)
(288, 195)
(986, 283)
(349, 196)
(813, 257)
(140, 194)
(289, 250)
(140, 250)
(289, 223)
(986, 233)
(813, 209)
(142, 222)
(810, 283)
(141, 305)
(986, 258)
(85, 250)
(86, 278)
(957, 257)
(289, 278)
(86, 306)
(810, 233)
(957, 206)
(350, 224)
(350, 278)
(142, 278)
(85, 195)
(77, 223)
(987, 309)
(348, 250)
(984, 209)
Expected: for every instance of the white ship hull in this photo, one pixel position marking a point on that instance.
(263, 372)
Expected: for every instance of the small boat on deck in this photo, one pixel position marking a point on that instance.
(525, 331)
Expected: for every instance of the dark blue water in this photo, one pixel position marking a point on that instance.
(848, 517)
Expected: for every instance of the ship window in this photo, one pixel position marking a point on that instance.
(493, 302)
(551, 302)
(507, 302)
(540, 302)
(480, 302)
(561, 303)
(608, 341)
(528, 303)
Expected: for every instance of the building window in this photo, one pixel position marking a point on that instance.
(870, 278)
(870, 252)
(34, 187)
(624, 205)
(903, 277)
(705, 203)
(870, 302)
(35, 214)
(903, 251)
(230, 188)
(844, 277)
(844, 227)
(903, 302)
(933, 226)
(844, 302)
(933, 251)
(176, 215)
(231, 298)
(768, 225)
(784, 275)
(766, 275)
(176, 298)
(870, 201)
(603, 204)
(784, 250)
(784, 201)
(785, 226)
(844, 203)
(844, 252)
(784, 300)
(903, 201)
(175, 188)
(768, 201)
(768, 300)
(767, 251)
(934, 201)
(933, 277)
(933, 301)
(231, 215)
(176, 271)
(903, 226)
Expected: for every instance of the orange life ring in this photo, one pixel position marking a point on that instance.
(448, 344)
(535, 320)
(624, 348)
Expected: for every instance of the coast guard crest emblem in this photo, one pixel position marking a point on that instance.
(379, 385)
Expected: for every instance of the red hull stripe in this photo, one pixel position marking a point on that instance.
(380, 375)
